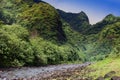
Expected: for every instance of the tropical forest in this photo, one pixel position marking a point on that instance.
(41, 42)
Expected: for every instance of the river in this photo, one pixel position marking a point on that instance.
(38, 73)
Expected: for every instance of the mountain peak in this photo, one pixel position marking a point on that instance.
(37, 1)
(78, 21)
(83, 16)
(82, 13)
(110, 17)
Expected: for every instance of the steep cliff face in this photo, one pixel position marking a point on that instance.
(78, 21)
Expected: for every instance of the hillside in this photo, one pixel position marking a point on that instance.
(111, 72)
(98, 40)
(39, 17)
(108, 20)
(77, 21)
(34, 33)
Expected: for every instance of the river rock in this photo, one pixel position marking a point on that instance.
(115, 78)
(100, 78)
(108, 75)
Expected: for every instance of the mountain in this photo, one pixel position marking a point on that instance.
(34, 33)
(108, 20)
(78, 21)
(39, 17)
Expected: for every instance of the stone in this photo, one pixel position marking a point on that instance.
(100, 78)
(108, 75)
(90, 78)
(115, 78)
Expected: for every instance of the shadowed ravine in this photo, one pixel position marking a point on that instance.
(35, 73)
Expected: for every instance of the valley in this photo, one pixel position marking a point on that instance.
(38, 41)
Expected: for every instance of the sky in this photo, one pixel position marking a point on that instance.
(95, 9)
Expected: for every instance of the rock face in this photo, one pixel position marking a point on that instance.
(78, 21)
(35, 15)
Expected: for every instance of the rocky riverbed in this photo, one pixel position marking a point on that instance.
(59, 72)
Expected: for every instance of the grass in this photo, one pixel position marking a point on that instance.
(103, 67)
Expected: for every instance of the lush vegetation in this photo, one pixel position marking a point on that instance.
(96, 41)
(33, 33)
(40, 18)
(105, 66)
(77, 21)
(17, 48)
(98, 27)
(33, 39)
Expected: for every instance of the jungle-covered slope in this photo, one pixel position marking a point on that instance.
(33, 33)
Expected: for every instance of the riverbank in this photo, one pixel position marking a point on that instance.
(107, 69)
(42, 73)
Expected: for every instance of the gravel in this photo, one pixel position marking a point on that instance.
(28, 73)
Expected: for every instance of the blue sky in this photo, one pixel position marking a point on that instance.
(95, 9)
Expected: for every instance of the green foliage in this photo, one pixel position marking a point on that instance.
(98, 27)
(101, 68)
(40, 16)
(31, 33)
(46, 52)
(14, 50)
(78, 22)
(111, 34)
(29, 39)
(20, 32)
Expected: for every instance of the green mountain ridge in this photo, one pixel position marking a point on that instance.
(78, 21)
(108, 20)
(34, 33)
(94, 45)
(43, 35)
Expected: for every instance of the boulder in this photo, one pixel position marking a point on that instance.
(110, 74)
(115, 78)
(100, 78)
